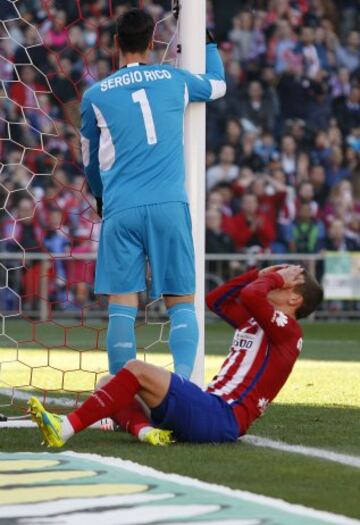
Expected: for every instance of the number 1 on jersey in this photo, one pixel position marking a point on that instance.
(141, 98)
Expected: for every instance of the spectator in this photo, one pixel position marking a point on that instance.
(317, 178)
(242, 183)
(334, 134)
(210, 158)
(297, 129)
(57, 242)
(233, 134)
(340, 83)
(226, 170)
(320, 44)
(241, 36)
(55, 35)
(306, 233)
(256, 108)
(218, 200)
(250, 228)
(271, 195)
(308, 52)
(319, 104)
(24, 235)
(215, 201)
(230, 205)
(353, 139)
(349, 56)
(341, 204)
(321, 151)
(285, 57)
(352, 160)
(265, 146)
(23, 91)
(288, 157)
(306, 194)
(249, 158)
(302, 168)
(336, 171)
(258, 41)
(63, 82)
(26, 230)
(216, 240)
(338, 239)
(347, 110)
(292, 93)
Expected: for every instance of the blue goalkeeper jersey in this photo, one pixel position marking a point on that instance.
(132, 131)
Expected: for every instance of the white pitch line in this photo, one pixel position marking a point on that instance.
(17, 424)
(24, 396)
(320, 453)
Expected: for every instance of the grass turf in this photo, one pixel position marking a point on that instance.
(319, 406)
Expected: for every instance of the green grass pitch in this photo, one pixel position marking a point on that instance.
(318, 407)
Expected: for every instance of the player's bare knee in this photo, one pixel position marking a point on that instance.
(136, 367)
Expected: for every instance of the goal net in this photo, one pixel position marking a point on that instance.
(53, 327)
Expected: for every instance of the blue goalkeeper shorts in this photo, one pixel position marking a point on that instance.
(158, 233)
(195, 416)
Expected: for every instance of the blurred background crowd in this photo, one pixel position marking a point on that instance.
(283, 157)
(283, 146)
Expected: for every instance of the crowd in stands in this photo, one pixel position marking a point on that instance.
(283, 146)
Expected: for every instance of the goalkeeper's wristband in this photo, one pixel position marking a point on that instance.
(210, 39)
(99, 206)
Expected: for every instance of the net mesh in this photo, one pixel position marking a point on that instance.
(53, 327)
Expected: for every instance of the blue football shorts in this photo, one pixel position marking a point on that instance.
(194, 415)
(158, 233)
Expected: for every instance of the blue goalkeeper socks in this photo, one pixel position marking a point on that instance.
(184, 337)
(120, 342)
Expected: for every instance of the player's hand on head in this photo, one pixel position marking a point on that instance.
(292, 275)
(274, 268)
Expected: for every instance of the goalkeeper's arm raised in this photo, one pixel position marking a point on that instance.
(211, 85)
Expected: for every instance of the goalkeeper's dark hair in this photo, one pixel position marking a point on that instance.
(312, 295)
(134, 30)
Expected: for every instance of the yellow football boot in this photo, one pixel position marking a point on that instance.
(158, 437)
(48, 423)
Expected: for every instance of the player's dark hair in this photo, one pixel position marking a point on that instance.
(134, 30)
(312, 295)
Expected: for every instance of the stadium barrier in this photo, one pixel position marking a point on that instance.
(219, 268)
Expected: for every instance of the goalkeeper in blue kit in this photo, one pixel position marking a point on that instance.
(132, 138)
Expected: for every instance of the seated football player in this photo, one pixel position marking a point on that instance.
(264, 307)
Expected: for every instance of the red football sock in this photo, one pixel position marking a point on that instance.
(106, 401)
(132, 418)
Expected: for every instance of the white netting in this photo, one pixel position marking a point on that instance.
(53, 328)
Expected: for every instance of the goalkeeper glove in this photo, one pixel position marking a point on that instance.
(210, 39)
(99, 206)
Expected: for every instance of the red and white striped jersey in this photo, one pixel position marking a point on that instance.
(265, 347)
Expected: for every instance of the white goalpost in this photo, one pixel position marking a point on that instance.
(192, 41)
